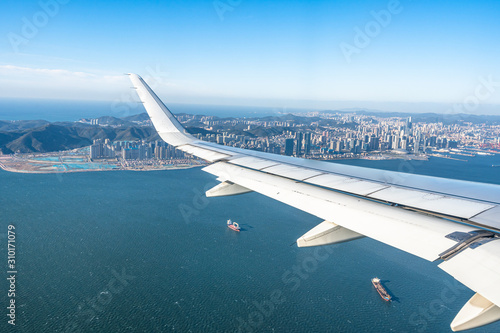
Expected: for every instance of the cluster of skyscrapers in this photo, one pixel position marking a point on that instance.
(134, 150)
(333, 135)
(300, 145)
(321, 135)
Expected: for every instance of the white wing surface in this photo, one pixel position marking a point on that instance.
(456, 222)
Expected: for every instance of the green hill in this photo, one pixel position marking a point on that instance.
(52, 137)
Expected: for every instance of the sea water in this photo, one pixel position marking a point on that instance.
(125, 251)
(70, 110)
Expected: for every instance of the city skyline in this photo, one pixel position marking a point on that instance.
(331, 135)
(387, 55)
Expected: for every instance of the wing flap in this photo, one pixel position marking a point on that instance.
(432, 202)
(290, 171)
(253, 162)
(347, 184)
(489, 218)
(478, 269)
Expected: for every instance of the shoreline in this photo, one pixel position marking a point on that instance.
(7, 168)
(23, 164)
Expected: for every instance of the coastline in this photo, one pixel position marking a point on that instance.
(78, 161)
(39, 162)
(7, 169)
(11, 164)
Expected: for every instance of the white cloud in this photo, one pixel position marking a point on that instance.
(28, 82)
(31, 82)
(54, 73)
(42, 71)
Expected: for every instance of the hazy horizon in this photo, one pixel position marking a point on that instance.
(72, 110)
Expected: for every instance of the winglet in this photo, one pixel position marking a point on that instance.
(165, 123)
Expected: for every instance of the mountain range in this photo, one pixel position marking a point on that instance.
(28, 136)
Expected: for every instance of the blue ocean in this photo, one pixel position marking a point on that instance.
(124, 251)
(70, 110)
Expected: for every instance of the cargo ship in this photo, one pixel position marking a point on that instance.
(381, 290)
(233, 225)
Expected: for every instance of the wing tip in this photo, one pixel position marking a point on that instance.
(133, 75)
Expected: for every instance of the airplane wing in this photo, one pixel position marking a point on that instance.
(453, 221)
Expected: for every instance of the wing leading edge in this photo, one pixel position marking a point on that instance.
(434, 218)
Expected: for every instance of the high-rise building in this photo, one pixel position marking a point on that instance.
(298, 143)
(307, 143)
(100, 150)
(289, 147)
(409, 123)
(160, 153)
(416, 144)
(142, 152)
(403, 143)
(95, 150)
(130, 153)
(373, 143)
(339, 146)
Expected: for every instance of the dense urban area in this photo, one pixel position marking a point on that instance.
(321, 135)
(131, 143)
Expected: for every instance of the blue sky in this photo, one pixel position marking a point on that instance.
(326, 54)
